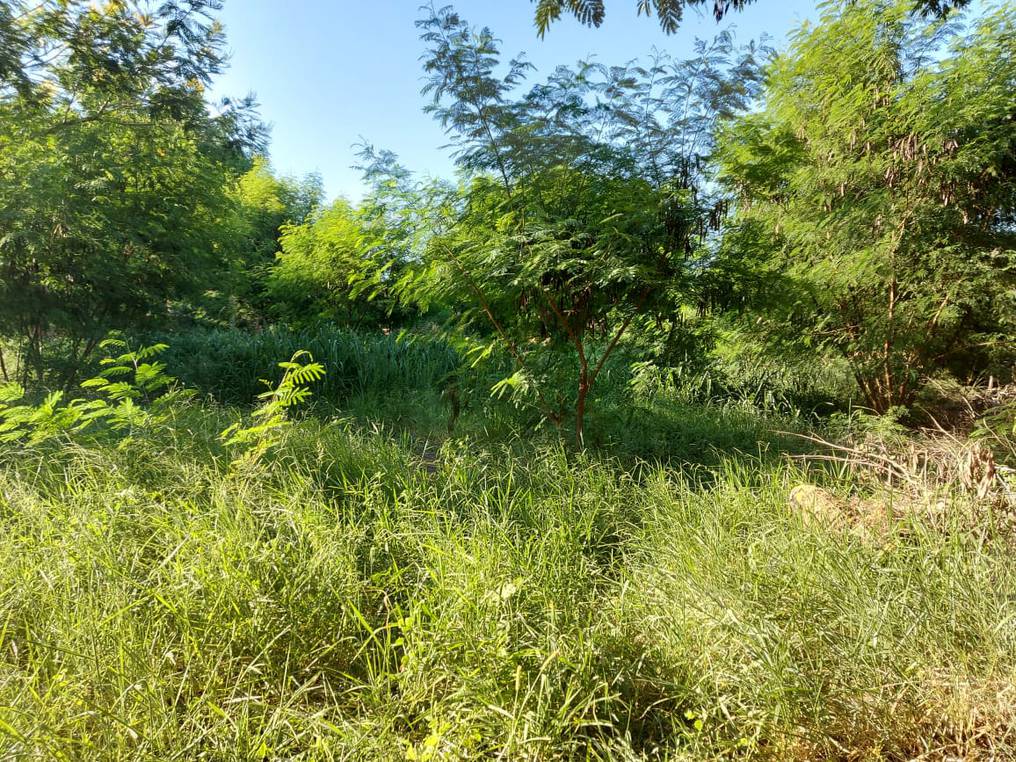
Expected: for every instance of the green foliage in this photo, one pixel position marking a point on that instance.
(346, 602)
(429, 576)
(671, 12)
(265, 205)
(876, 195)
(270, 419)
(343, 264)
(330, 270)
(996, 427)
(137, 396)
(593, 12)
(585, 199)
(33, 423)
(229, 364)
(113, 200)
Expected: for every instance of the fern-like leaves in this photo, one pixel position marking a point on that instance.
(135, 394)
(270, 419)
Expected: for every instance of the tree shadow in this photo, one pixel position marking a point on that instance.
(680, 434)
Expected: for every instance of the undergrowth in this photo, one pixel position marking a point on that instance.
(350, 600)
(215, 583)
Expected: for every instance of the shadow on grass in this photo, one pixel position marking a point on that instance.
(666, 432)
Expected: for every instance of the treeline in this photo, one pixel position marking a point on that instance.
(848, 201)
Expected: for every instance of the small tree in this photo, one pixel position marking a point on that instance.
(879, 184)
(583, 199)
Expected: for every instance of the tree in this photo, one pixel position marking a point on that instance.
(265, 205)
(318, 267)
(879, 182)
(583, 200)
(343, 263)
(593, 12)
(114, 171)
(671, 12)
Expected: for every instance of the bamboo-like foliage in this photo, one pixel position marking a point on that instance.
(229, 364)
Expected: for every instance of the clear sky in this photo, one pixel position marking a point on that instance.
(328, 72)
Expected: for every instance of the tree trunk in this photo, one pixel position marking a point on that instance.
(32, 355)
(78, 361)
(882, 397)
(580, 408)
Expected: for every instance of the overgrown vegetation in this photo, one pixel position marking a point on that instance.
(861, 185)
(680, 425)
(358, 596)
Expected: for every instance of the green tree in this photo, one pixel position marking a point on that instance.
(583, 203)
(879, 184)
(671, 12)
(113, 169)
(316, 269)
(265, 204)
(340, 266)
(344, 263)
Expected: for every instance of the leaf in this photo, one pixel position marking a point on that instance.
(11, 392)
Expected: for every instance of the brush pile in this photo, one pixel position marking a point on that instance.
(957, 476)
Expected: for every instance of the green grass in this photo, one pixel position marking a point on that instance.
(495, 598)
(229, 365)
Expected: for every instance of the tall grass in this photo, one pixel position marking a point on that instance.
(402, 382)
(406, 375)
(350, 600)
(230, 365)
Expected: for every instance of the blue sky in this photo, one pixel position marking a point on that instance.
(328, 72)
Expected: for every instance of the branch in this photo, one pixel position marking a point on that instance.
(575, 338)
(618, 335)
(548, 410)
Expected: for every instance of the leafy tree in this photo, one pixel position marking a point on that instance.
(316, 270)
(265, 205)
(593, 12)
(671, 12)
(102, 226)
(879, 184)
(400, 216)
(583, 200)
(343, 264)
(113, 170)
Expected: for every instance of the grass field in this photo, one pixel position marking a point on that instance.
(375, 590)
